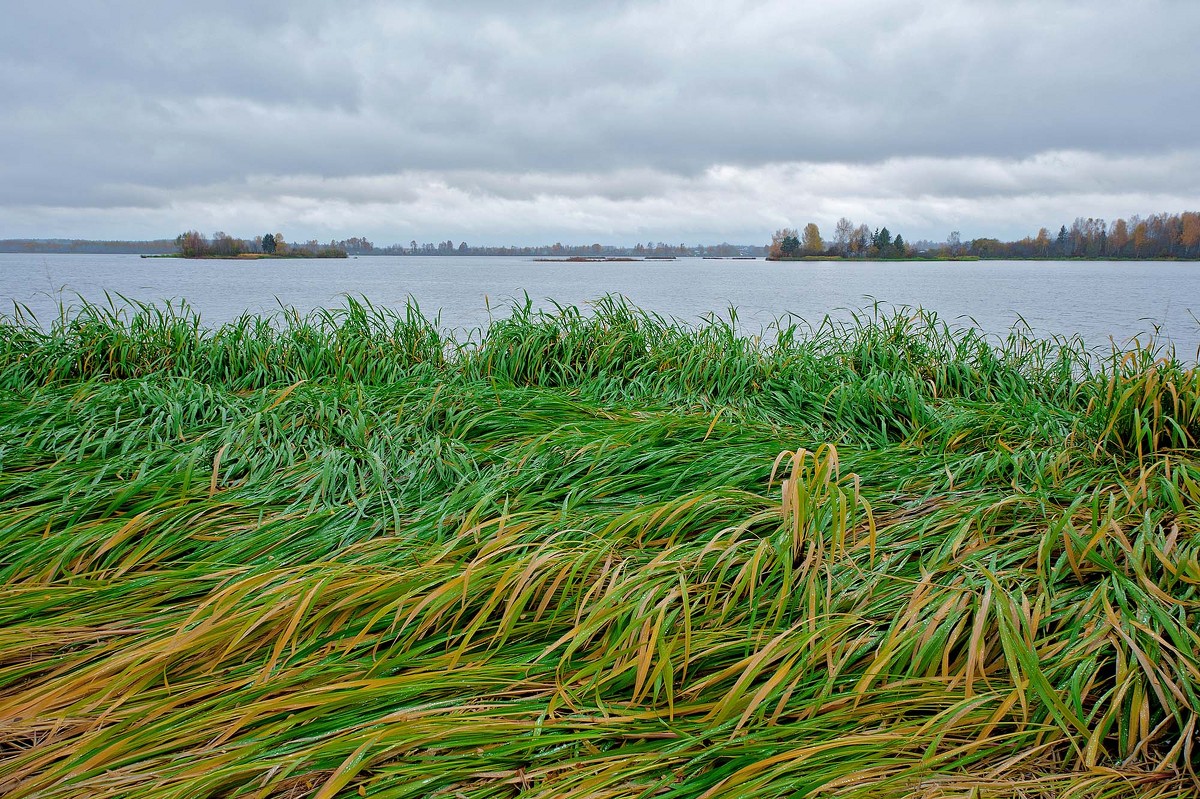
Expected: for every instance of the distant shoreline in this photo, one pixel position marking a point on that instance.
(583, 259)
(611, 259)
(246, 256)
(930, 259)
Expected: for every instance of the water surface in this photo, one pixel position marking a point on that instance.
(1099, 301)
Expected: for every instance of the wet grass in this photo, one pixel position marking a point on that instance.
(592, 554)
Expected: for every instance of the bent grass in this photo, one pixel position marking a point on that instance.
(593, 553)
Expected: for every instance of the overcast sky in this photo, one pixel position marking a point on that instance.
(526, 121)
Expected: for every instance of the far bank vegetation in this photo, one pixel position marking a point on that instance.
(850, 241)
(1158, 236)
(194, 244)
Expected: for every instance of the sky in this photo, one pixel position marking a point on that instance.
(532, 121)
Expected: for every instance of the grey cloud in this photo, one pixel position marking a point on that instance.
(144, 104)
(921, 197)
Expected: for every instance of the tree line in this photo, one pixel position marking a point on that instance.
(1157, 236)
(639, 250)
(1154, 237)
(88, 246)
(193, 244)
(225, 245)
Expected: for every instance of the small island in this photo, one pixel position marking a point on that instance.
(857, 243)
(194, 244)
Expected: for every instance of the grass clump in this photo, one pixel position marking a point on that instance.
(592, 553)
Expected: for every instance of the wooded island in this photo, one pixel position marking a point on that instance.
(1159, 236)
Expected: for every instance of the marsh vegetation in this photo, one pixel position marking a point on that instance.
(591, 554)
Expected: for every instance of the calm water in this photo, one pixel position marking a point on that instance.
(1098, 301)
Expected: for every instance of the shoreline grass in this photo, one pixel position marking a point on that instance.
(592, 554)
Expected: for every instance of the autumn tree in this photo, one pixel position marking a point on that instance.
(1190, 235)
(987, 248)
(1170, 233)
(226, 246)
(782, 243)
(1141, 234)
(1118, 236)
(1042, 242)
(192, 244)
(811, 244)
(860, 240)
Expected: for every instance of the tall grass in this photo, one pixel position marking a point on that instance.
(592, 553)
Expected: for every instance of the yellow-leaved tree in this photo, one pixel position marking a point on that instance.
(811, 244)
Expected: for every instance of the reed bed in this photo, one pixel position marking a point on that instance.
(592, 553)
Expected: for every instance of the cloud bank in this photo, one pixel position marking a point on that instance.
(618, 122)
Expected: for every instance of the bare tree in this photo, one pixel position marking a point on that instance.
(842, 234)
(954, 243)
